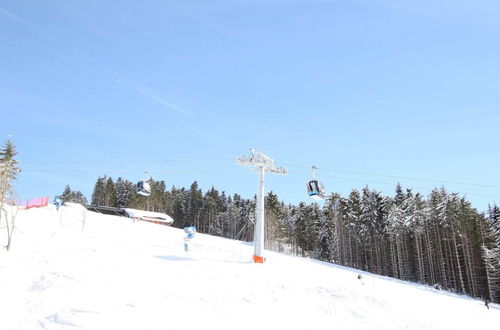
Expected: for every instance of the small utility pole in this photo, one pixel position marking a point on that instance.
(262, 164)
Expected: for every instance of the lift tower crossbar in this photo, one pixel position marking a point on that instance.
(262, 164)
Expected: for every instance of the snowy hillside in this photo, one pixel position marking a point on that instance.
(120, 274)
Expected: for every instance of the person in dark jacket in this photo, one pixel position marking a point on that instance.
(486, 300)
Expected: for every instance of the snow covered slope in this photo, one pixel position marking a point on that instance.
(117, 274)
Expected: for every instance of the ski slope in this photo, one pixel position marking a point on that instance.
(120, 274)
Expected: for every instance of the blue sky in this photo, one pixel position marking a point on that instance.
(181, 89)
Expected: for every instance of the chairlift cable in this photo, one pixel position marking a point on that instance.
(390, 184)
(131, 172)
(140, 161)
(323, 170)
(398, 177)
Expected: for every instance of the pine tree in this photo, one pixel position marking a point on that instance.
(233, 219)
(176, 206)
(274, 223)
(246, 218)
(125, 191)
(398, 234)
(223, 217)
(307, 229)
(99, 194)
(417, 227)
(8, 166)
(352, 219)
(78, 197)
(72, 196)
(331, 231)
(8, 172)
(491, 254)
(194, 205)
(470, 241)
(110, 193)
(66, 195)
(211, 209)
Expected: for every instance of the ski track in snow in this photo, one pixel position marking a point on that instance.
(117, 274)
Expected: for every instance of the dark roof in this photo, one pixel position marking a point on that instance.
(106, 210)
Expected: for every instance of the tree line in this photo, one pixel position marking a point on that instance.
(439, 240)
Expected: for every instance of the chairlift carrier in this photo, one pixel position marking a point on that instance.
(315, 188)
(143, 187)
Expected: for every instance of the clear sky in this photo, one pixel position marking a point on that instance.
(403, 89)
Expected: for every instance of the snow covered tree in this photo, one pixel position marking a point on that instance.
(331, 238)
(234, 220)
(212, 205)
(416, 224)
(436, 237)
(307, 229)
(469, 242)
(194, 205)
(399, 234)
(370, 216)
(8, 172)
(220, 223)
(99, 194)
(69, 195)
(110, 193)
(104, 192)
(246, 221)
(8, 164)
(176, 206)
(66, 195)
(274, 223)
(125, 191)
(491, 253)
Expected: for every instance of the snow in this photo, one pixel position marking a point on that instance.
(113, 273)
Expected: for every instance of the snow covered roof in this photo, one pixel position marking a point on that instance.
(149, 216)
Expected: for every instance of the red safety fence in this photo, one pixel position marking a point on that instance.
(35, 202)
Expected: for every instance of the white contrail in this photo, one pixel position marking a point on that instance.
(98, 67)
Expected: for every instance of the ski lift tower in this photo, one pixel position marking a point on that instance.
(262, 164)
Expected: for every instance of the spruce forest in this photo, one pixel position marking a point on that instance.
(438, 240)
